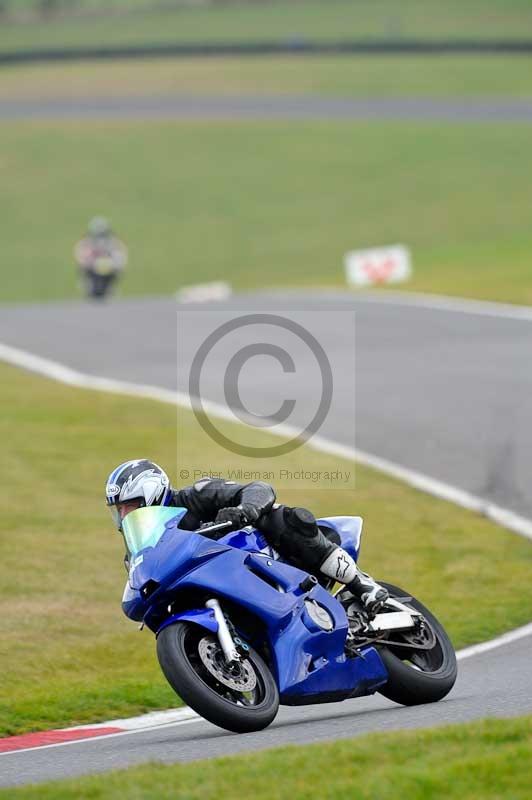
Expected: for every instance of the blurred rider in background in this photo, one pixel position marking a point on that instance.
(101, 257)
(293, 532)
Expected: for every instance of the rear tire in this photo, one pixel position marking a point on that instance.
(182, 665)
(436, 671)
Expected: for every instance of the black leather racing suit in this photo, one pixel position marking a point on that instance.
(293, 534)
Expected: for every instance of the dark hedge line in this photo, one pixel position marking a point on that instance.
(294, 47)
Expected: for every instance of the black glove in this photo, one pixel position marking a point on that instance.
(238, 516)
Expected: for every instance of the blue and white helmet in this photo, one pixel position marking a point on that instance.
(137, 480)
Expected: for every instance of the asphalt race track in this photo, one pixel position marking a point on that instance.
(294, 107)
(441, 391)
(495, 684)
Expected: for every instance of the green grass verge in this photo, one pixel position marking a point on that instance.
(269, 203)
(354, 76)
(70, 656)
(325, 20)
(478, 761)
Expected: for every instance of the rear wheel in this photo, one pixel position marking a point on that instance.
(240, 697)
(424, 672)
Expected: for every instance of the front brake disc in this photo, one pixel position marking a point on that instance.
(238, 675)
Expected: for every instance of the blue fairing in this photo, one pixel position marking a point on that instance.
(308, 662)
(199, 616)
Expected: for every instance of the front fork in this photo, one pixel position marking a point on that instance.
(224, 635)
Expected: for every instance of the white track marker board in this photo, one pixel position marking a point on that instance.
(204, 292)
(378, 265)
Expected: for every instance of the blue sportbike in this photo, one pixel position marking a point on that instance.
(240, 631)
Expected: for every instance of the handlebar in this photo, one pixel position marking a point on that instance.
(219, 526)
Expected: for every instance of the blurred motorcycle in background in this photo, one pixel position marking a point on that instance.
(101, 257)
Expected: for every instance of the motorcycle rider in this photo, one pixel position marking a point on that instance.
(101, 256)
(293, 532)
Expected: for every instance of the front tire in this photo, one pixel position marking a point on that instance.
(192, 662)
(419, 676)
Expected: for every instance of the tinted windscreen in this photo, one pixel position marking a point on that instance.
(145, 526)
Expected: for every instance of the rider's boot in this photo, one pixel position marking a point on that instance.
(372, 595)
(340, 566)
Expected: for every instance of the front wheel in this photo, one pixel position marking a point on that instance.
(418, 675)
(240, 697)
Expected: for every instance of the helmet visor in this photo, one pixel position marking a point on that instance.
(125, 508)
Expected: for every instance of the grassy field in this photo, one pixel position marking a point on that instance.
(263, 204)
(342, 76)
(240, 21)
(70, 656)
(479, 761)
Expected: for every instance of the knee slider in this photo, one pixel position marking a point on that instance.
(302, 520)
